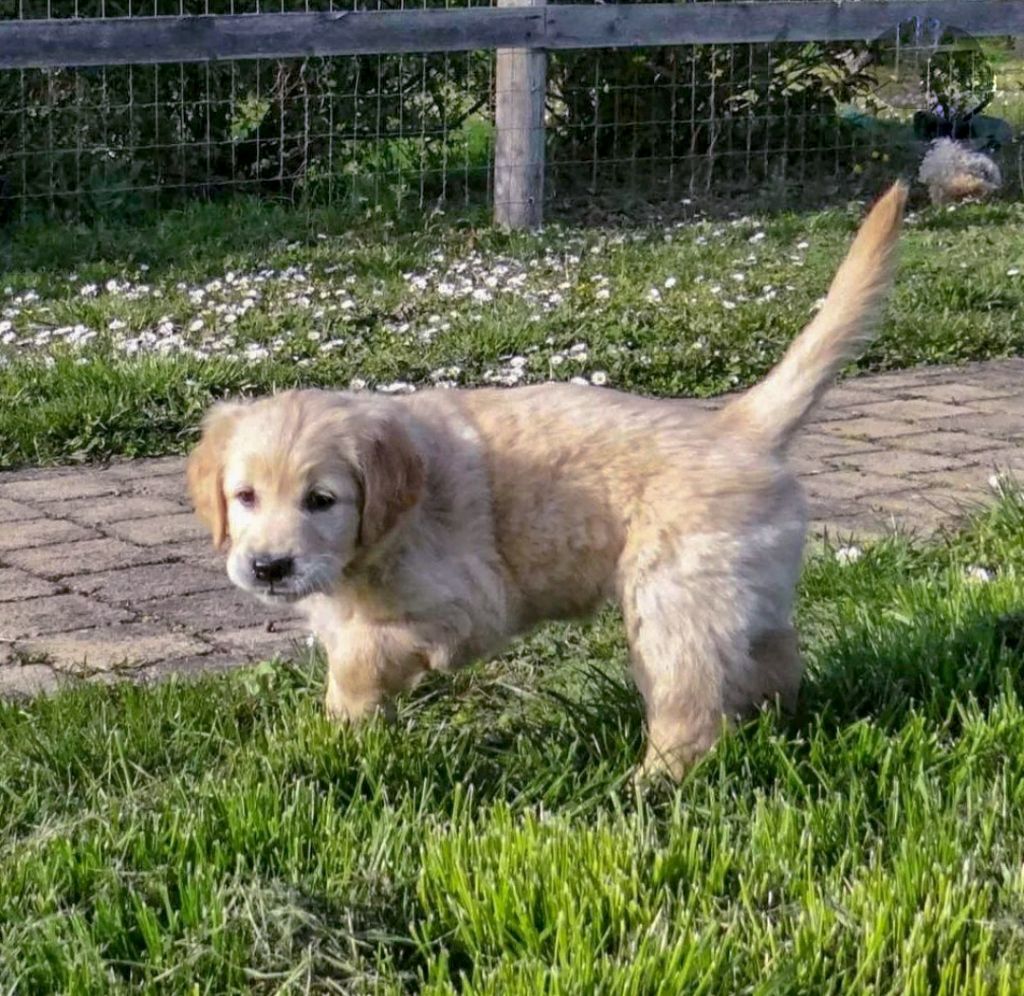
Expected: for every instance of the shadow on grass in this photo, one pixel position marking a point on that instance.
(207, 235)
(933, 673)
(597, 734)
(569, 738)
(212, 235)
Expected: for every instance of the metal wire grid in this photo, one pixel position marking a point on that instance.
(664, 123)
(50, 9)
(377, 130)
(414, 131)
(788, 119)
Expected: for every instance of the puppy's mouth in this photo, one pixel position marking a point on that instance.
(274, 594)
(286, 592)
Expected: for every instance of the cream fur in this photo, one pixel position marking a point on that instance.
(461, 518)
(953, 172)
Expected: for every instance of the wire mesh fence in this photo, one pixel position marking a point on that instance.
(369, 130)
(784, 121)
(412, 132)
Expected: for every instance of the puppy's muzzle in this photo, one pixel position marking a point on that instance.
(272, 570)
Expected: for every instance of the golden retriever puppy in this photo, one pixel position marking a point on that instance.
(422, 532)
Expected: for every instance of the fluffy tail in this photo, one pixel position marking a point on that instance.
(774, 409)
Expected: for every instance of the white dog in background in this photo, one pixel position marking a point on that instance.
(952, 172)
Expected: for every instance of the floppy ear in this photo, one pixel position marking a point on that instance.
(393, 477)
(205, 469)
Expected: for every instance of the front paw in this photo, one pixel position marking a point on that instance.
(342, 707)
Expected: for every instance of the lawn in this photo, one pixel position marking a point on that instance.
(223, 837)
(114, 338)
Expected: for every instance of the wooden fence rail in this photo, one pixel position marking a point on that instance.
(50, 43)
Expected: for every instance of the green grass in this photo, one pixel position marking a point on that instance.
(223, 837)
(334, 300)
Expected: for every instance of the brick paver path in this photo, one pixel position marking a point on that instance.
(105, 573)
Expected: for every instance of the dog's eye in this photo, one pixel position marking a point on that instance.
(246, 497)
(319, 501)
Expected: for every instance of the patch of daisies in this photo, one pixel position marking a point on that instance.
(303, 311)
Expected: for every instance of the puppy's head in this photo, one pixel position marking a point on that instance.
(301, 485)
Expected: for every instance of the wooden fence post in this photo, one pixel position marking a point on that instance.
(521, 84)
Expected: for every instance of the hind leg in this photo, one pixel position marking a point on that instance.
(779, 666)
(697, 678)
(688, 636)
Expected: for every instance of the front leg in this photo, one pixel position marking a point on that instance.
(353, 696)
(368, 664)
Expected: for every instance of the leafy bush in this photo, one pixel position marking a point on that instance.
(730, 112)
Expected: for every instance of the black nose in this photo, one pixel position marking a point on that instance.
(271, 569)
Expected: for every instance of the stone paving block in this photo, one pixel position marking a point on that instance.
(137, 585)
(16, 585)
(850, 394)
(1010, 404)
(192, 668)
(996, 425)
(35, 474)
(954, 444)
(16, 511)
(213, 611)
(956, 393)
(915, 514)
(55, 614)
(82, 484)
(122, 508)
(967, 482)
(911, 410)
(147, 468)
(908, 462)
(824, 414)
(112, 648)
(1009, 460)
(19, 681)
(61, 560)
(821, 509)
(897, 380)
(804, 466)
(170, 487)
(827, 445)
(847, 528)
(41, 533)
(1005, 375)
(953, 505)
(160, 530)
(257, 643)
(199, 552)
(851, 485)
(865, 427)
(166, 466)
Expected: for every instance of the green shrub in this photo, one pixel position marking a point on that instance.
(728, 112)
